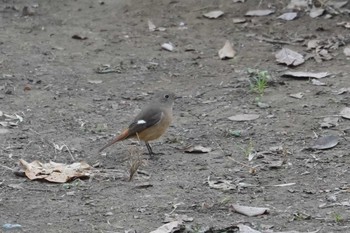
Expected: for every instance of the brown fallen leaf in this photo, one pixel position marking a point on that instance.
(55, 172)
(250, 211)
(227, 52)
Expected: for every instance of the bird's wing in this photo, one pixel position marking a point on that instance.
(145, 120)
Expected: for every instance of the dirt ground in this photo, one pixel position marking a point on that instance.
(49, 79)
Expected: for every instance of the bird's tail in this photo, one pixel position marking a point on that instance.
(120, 137)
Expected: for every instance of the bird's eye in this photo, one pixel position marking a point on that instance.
(166, 96)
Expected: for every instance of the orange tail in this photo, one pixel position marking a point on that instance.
(120, 137)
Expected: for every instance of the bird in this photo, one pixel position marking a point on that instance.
(151, 123)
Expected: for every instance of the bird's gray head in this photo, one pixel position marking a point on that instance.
(165, 97)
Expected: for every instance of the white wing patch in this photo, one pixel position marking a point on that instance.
(141, 122)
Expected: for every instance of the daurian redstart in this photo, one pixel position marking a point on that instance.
(151, 122)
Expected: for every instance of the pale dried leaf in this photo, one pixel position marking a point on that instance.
(246, 229)
(289, 57)
(55, 172)
(169, 227)
(168, 46)
(95, 81)
(250, 211)
(288, 16)
(301, 74)
(298, 95)
(326, 142)
(244, 117)
(197, 149)
(214, 14)
(316, 12)
(221, 184)
(151, 26)
(329, 122)
(239, 20)
(345, 113)
(343, 90)
(259, 12)
(346, 51)
(227, 51)
(312, 44)
(337, 4)
(317, 82)
(298, 4)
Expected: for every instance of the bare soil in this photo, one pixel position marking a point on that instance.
(46, 79)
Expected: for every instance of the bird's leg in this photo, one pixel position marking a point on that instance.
(149, 148)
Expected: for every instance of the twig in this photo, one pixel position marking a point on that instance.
(273, 41)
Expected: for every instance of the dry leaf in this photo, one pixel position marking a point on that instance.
(197, 149)
(312, 44)
(346, 51)
(246, 229)
(345, 113)
(169, 227)
(329, 122)
(289, 57)
(55, 172)
(213, 14)
(343, 90)
(227, 51)
(239, 20)
(317, 82)
(298, 4)
(326, 142)
(301, 74)
(168, 46)
(315, 12)
(151, 26)
(298, 95)
(337, 4)
(224, 185)
(250, 211)
(244, 117)
(288, 16)
(95, 81)
(259, 12)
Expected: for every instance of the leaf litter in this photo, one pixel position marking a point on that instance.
(214, 14)
(345, 113)
(227, 52)
(325, 142)
(288, 16)
(197, 149)
(289, 57)
(250, 211)
(302, 74)
(264, 12)
(55, 172)
(244, 117)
